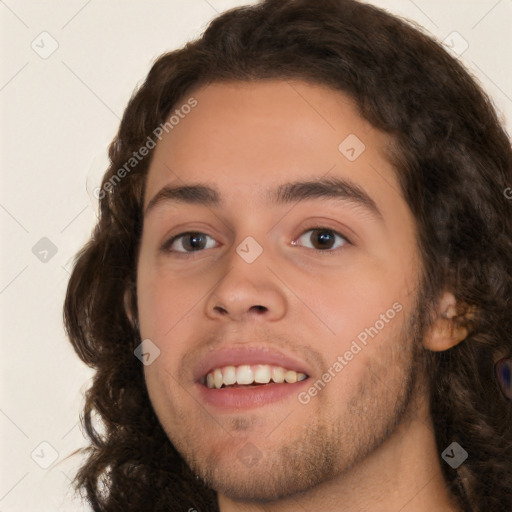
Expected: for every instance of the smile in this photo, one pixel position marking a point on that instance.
(250, 375)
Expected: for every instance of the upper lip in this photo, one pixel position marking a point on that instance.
(239, 355)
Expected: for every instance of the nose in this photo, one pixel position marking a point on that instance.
(247, 291)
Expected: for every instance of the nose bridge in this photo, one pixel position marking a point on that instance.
(247, 287)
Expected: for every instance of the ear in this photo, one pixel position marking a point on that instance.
(449, 326)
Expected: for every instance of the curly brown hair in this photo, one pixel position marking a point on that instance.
(454, 162)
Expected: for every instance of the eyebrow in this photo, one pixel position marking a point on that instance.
(321, 188)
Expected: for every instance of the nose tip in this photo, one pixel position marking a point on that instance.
(240, 295)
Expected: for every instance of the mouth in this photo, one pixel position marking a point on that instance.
(234, 380)
(246, 375)
(239, 377)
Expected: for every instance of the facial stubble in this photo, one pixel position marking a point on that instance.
(325, 446)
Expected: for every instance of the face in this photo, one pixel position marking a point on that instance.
(276, 245)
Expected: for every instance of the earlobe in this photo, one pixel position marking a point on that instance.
(449, 327)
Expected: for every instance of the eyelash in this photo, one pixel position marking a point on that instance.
(166, 247)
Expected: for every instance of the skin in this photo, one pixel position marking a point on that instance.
(366, 441)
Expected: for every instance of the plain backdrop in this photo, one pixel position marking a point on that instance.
(68, 69)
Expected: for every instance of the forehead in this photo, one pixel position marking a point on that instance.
(250, 137)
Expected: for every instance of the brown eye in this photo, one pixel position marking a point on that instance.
(190, 242)
(322, 239)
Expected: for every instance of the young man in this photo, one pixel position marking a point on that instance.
(305, 237)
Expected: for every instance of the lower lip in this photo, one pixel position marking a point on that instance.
(249, 397)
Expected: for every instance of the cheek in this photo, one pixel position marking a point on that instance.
(365, 320)
(166, 396)
(360, 313)
(169, 310)
(351, 299)
(164, 301)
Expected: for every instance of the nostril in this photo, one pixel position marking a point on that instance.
(259, 309)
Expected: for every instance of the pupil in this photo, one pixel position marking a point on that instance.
(324, 238)
(195, 241)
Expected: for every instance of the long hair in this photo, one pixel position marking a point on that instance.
(453, 160)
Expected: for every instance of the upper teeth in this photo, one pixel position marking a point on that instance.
(247, 374)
